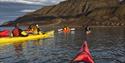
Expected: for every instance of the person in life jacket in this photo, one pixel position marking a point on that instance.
(29, 30)
(87, 30)
(34, 28)
(66, 29)
(16, 32)
(38, 29)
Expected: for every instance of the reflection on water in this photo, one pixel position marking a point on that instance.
(18, 47)
(107, 45)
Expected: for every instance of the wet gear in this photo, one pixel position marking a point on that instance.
(4, 33)
(16, 32)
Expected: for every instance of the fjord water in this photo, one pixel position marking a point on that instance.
(107, 45)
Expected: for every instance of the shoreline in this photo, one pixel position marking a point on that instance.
(57, 23)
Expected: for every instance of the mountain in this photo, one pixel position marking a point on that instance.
(82, 12)
(34, 2)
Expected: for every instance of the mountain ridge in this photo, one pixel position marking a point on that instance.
(100, 12)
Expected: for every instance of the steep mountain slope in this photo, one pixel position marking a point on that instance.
(94, 12)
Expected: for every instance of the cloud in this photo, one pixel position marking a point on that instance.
(39, 2)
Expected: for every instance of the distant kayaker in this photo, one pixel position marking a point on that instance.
(38, 29)
(16, 32)
(87, 30)
(30, 29)
(66, 29)
(34, 29)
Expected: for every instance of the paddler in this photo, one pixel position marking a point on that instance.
(66, 29)
(30, 29)
(34, 29)
(87, 30)
(38, 29)
(16, 32)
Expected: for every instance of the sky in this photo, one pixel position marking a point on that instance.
(37, 2)
(16, 11)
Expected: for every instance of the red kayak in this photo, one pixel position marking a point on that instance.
(4, 33)
(84, 55)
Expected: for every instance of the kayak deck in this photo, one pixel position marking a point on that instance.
(6, 40)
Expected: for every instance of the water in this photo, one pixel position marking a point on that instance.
(107, 45)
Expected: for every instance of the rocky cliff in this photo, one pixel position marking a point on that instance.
(92, 12)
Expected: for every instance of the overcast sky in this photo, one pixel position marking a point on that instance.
(42, 2)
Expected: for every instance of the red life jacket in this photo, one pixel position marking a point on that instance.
(4, 33)
(16, 32)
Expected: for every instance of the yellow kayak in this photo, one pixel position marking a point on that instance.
(6, 40)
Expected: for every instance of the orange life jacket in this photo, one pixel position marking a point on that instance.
(66, 29)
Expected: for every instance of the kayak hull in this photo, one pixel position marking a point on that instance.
(6, 40)
(71, 29)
